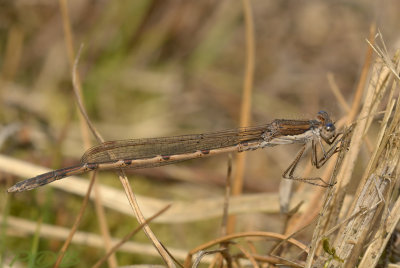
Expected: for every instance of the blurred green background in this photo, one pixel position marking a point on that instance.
(159, 68)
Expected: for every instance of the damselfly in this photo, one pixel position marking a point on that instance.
(154, 152)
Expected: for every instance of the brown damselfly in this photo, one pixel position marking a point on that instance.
(154, 152)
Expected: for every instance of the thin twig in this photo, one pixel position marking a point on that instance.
(336, 91)
(248, 256)
(78, 219)
(68, 34)
(245, 105)
(124, 180)
(230, 237)
(129, 236)
(225, 212)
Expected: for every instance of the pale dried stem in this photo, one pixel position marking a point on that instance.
(124, 180)
(245, 109)
(69, 41)
(127, 237)
(375, 183)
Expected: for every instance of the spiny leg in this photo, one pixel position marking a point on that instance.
(318, 163)
(329, 142)
(288, 173)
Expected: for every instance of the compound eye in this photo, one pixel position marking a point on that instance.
(323, 116)
(329, 127)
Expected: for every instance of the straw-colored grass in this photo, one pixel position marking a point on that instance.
(157, 68)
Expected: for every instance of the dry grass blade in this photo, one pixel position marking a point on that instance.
(324, 215)
(77, 89)
(384, 55)
(245, 109)
(228, 186)
(336, 91)
(376, 89)
(77, 221)
(81, 238)
(248, 256)
(124, 180)
(129, 236)
(202, 254)
(292, 241)
(363, 78)
(382, 237)
(367, 217)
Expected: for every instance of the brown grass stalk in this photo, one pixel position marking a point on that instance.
(128, 236)
(367, 215)
(77, 89)
(123, 178)
(245, 108)
(125, 183)
(292, 241)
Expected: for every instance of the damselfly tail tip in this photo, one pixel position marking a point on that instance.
(13, 189)
(20, 187)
